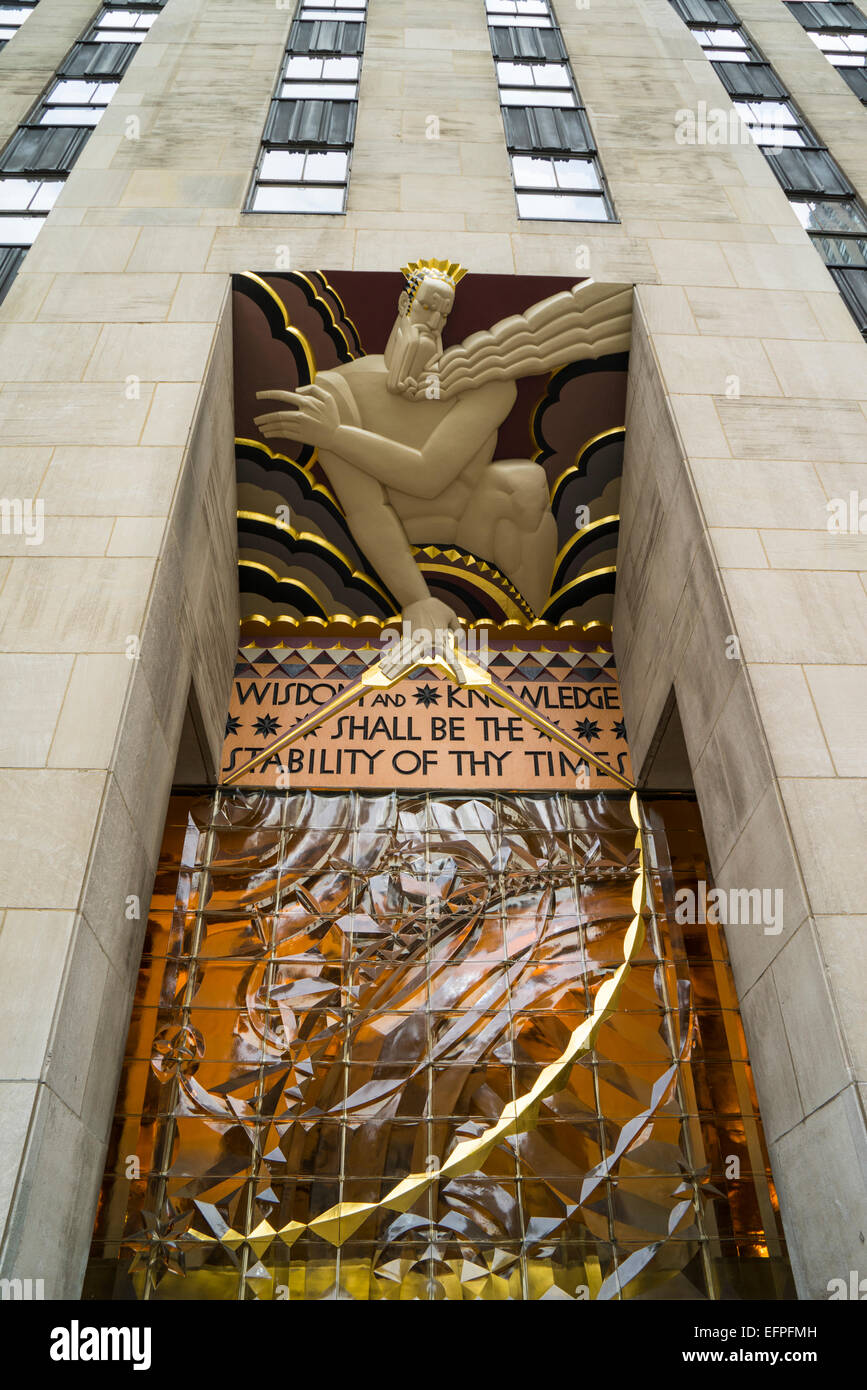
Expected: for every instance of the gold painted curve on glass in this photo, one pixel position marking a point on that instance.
(343, 1219)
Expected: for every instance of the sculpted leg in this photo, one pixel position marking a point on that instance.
(536, 565)
(509, 522)
(379, 532)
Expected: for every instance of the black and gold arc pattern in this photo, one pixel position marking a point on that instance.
(297, 557)
(432, 1046)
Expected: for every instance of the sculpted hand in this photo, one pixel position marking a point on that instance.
(430, 615)
(314, 421)
(426, 388)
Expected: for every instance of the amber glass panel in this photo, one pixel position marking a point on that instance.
(338, 990)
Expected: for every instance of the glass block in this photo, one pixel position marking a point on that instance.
(285, 1062)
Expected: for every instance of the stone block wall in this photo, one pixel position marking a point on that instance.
(746, 416)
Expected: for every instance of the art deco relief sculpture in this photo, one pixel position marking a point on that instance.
(407, 439)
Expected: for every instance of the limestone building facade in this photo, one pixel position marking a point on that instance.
(740, 612)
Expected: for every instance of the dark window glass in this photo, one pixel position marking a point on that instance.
(509, 44)
(47, 149)
(546, 128)
(831, 217)
(98, 60)
(827, 16)
(326, 36)
(856, 79)
(750, 80)
(311, 122)
(852, 284)
(10, 259)
(705, 12)
(842, 251)
(807, 171)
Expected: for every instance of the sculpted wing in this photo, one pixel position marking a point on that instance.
(589, 320)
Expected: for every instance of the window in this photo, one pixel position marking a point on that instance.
(821, 196)
(71, 102)
(698, 12)
(519, 14)
(840, 32)
(117, 25)
(36, 161)
(555, 166)
(12, 17)
(307, 144)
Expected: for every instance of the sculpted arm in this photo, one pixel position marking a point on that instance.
(423, 472)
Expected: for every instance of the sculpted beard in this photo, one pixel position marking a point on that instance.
(416, 351)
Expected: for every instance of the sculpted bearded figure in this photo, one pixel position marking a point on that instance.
(407, 439)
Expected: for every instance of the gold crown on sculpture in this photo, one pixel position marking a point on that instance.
(415, 272)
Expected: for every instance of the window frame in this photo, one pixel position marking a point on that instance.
(48, 134)
(305, 44)
(785, 157)
(804, 12)
(512, 112)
